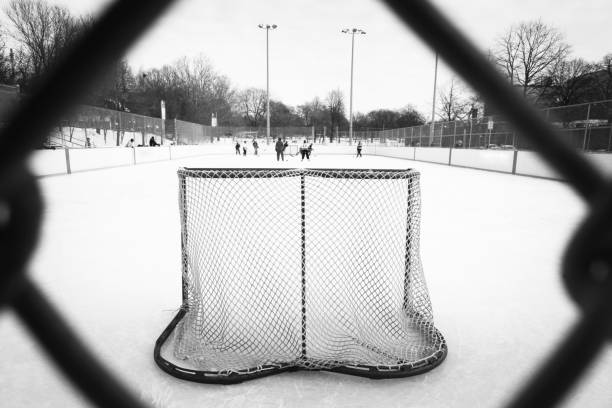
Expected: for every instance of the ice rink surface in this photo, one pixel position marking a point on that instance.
(491, 244)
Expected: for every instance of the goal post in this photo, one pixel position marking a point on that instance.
(286, 269)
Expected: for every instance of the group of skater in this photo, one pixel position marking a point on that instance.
(281, 146)
(242, 149)
(132, 143)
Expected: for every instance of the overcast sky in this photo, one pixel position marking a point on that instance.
(309, 56)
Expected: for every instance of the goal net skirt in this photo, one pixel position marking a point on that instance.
(286, 269)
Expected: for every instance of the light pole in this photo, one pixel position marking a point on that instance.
(267, 27)
(433, 105)
(352, 32)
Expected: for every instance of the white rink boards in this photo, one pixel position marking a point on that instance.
(109, 258)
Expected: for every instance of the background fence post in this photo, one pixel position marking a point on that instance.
(176, 132)
(67, 154)
(144, 131)
(586, 128)
(119, 130)
(470, 135)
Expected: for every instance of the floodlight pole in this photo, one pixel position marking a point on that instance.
(433, 105)
(267, 27)
(352, 32)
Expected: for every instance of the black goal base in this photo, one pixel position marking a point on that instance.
(235, 377)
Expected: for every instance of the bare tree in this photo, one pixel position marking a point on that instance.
(389, 119)
(191, 88)
(115, 87)
(382, 118)
(313, 113)
(527, 52)
(44, 31)
(506, 55)
(252, 105)
(452, 104)
(283, 115)
(567, 81)
(602, 78)
(203, 90)
(6, 67)
(600, 86)
(335, 105)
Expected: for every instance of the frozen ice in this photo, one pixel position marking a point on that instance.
(491, 244)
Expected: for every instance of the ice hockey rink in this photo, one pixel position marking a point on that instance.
(491, 246)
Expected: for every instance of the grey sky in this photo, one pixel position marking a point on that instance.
(309, 56)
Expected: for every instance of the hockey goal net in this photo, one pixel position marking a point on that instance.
(300, 269)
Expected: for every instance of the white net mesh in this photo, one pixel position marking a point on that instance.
(315, 269)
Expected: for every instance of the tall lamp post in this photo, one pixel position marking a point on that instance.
(352, 32)
(267, 27)
(433, 105)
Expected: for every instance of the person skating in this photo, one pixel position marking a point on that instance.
(237, 148)
(304, 150)
(359, 147)
(280, 150)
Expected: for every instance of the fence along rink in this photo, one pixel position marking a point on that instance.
(300, 269)
(182, 132)
(587, 126)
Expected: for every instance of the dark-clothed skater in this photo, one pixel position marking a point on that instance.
(238, 148)
(280, 149)
(359, 147)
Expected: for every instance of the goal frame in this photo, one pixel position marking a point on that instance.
(238, 376)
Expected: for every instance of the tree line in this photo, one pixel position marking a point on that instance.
(192, 89)
(532, 56)
(535, 59)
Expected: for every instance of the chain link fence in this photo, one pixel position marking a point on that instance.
(188, 133)
(89, 126)
(586, 126)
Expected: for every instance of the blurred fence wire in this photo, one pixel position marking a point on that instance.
(586, 264)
